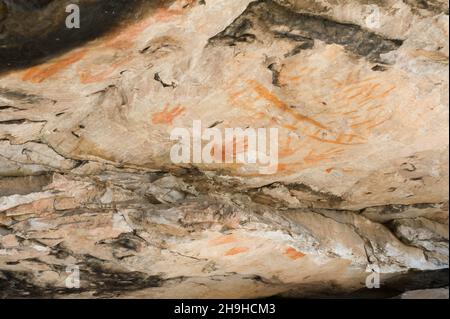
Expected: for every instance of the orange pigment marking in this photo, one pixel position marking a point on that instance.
(290, 127)
(293, 254)
(87, 77)
(366, 99)
(40, 73)
(339, 140)
(295, 78)
(236, 250)
(123, 40)
(287, 150)
(364, 123)
(362, 87)
(314, 157)
(222, 240)
(380, 122)
(265, 94)
(167, 116)
(230, 150)
(260, 115)
(386, 93)
(163, 14)
(374, 107)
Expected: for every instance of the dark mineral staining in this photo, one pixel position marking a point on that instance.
(17, 284)
(393, 286)
(435, 6)
(19, 96)
(3, 11)
(275, 69)
(34, 30)
(96, 276)
(23, 184)
(125, 241)
(267, 17)
(379, 68)
(103, 278)
(26, 5)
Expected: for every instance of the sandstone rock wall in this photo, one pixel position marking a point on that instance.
(358, 90)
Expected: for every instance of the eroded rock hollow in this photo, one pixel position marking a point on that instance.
(358, 91)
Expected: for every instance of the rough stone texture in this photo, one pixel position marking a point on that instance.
(86, 177)
(441, 293)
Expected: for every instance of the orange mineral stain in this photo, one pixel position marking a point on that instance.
(87, 77)
(342, 139)
(274, 100)
(122, 40)
(167, 116)
(287, 149)
(231, 150)
(40, 73)
(222, 240)
(293, 253)
(125, 38)
(236, 250)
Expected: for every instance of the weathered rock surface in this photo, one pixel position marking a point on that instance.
(441, 293)
(358, 90)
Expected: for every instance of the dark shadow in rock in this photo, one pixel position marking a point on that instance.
(268, 17)
(391, 286)
(23, 185)
(401, 283)
(32, 31)
(97, 277)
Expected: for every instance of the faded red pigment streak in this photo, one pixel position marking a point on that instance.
(122, 40)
